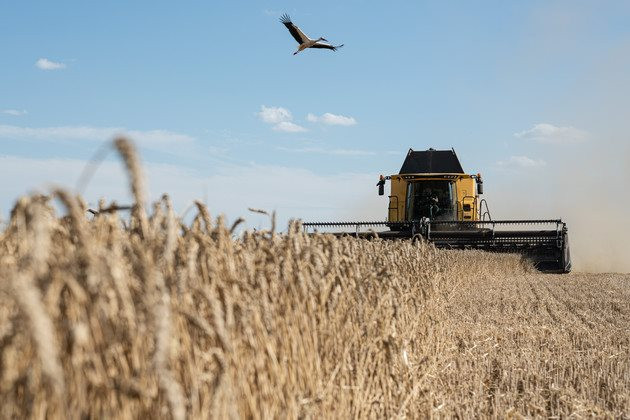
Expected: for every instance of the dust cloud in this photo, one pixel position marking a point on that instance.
(590, 192)
(586, 183)
(588, 187)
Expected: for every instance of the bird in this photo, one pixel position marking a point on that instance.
(304, 41)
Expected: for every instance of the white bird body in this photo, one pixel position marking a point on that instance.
(304, 41)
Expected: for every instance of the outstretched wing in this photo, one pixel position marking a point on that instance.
(294, 30)
(327, 46)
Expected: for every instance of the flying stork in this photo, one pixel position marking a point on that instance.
(304, 41)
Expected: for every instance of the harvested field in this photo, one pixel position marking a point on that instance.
(150, 317)
(537, 345)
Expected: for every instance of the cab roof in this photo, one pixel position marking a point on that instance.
(431, 162)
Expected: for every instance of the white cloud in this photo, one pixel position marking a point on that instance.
(549, 133)
(281, 118)
(14, 112)
(73, 133)
(332, 119)
(289, 127)
(46, 64)
(522, 161)
(274, 114)
(335, 152)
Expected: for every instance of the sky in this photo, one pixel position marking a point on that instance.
(222, 111)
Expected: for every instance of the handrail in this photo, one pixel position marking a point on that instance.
(558, 222)
(482, 214)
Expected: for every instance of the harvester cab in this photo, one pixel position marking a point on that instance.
(432, 185)
(433, 198)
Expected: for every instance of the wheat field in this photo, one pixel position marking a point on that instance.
(148, 317)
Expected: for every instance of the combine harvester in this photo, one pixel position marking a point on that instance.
(432, 198)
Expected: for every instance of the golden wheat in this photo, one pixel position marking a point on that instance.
(157, 318)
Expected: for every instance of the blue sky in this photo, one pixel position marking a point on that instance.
(514, 87)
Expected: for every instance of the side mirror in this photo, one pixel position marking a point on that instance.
(381, 185)
(479, 186)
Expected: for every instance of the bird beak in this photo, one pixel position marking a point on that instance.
(324, 39)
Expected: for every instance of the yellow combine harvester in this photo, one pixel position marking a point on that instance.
(433, 198)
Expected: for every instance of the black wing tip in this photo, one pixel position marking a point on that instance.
(285, 19)
(327, 46)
